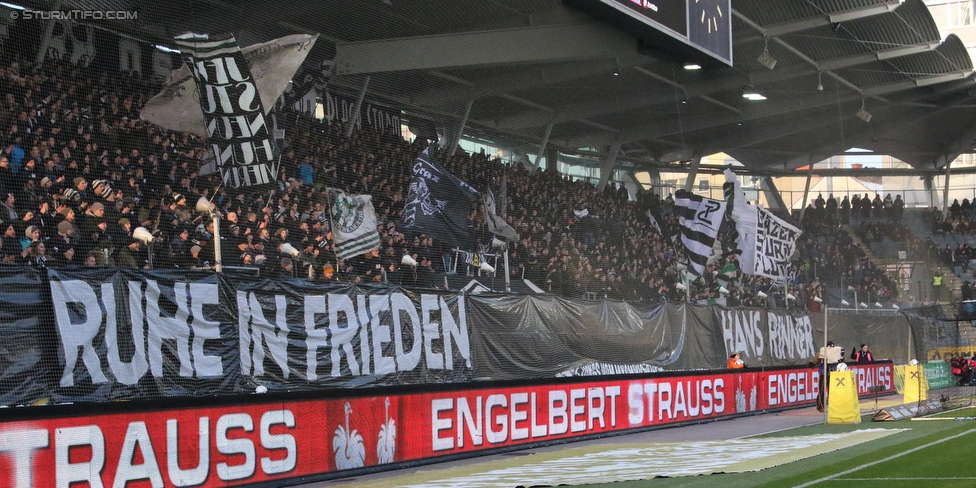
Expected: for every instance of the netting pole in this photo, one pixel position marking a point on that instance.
(945, 194)
(508, 274)
(909, 341)
(216, 226)
(826, 372)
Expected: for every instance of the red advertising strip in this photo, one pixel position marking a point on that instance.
(228, 446)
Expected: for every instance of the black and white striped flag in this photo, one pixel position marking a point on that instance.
(657, 226)
(700, 219)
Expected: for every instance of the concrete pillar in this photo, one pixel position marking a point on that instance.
(356, 108)
(542, 147)
(464, 121)
(655, 175)
(929, 190)
(774, 199)
(806, 193)
(606, 169)
(692, 173)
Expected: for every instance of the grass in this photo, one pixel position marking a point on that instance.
(894, 461)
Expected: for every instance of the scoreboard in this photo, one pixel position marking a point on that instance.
(671, 25)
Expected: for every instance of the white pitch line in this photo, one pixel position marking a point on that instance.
(889, 458)
(909, 479)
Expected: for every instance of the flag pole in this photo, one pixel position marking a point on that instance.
(328, 208)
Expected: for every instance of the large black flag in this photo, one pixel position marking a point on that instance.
(438, 203)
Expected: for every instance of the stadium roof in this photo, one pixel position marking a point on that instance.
(531, 67)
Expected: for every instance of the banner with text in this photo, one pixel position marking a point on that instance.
(775, 244)
(338, 108)
(231, 445)
(233, 110)
(134, 334)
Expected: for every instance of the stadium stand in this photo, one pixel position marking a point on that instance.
(81, 172)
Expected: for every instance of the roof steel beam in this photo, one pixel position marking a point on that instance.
(853, 140)
(543, 43)
(796, 52)
(528, 79)
(649, 131)
(791, 26)
(592, 108)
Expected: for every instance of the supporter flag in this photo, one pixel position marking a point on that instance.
(309, 78)
(353, 223)
(230, 102)
(223, 93)
(766, 241)
(496, 224)
(657, 226)
(726, 275)
(273, 64)
(438, 203)
(700, 219)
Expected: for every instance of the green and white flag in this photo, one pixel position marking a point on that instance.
(353, 224)
(726, 275)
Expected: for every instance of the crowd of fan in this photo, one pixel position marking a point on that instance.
(79, 172)
(961, 220)
(857, 208)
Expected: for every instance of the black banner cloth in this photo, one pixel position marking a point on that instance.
(100, 334)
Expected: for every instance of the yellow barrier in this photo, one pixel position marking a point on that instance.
(915, 386)
(842, 403)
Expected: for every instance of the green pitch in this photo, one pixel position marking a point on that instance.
(930, 454)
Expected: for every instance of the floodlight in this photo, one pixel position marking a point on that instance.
(767, 59)
(863, 114)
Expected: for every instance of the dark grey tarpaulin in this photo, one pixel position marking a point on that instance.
(107, 334)
(27, 340)
(537, 336)
(887, 334)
